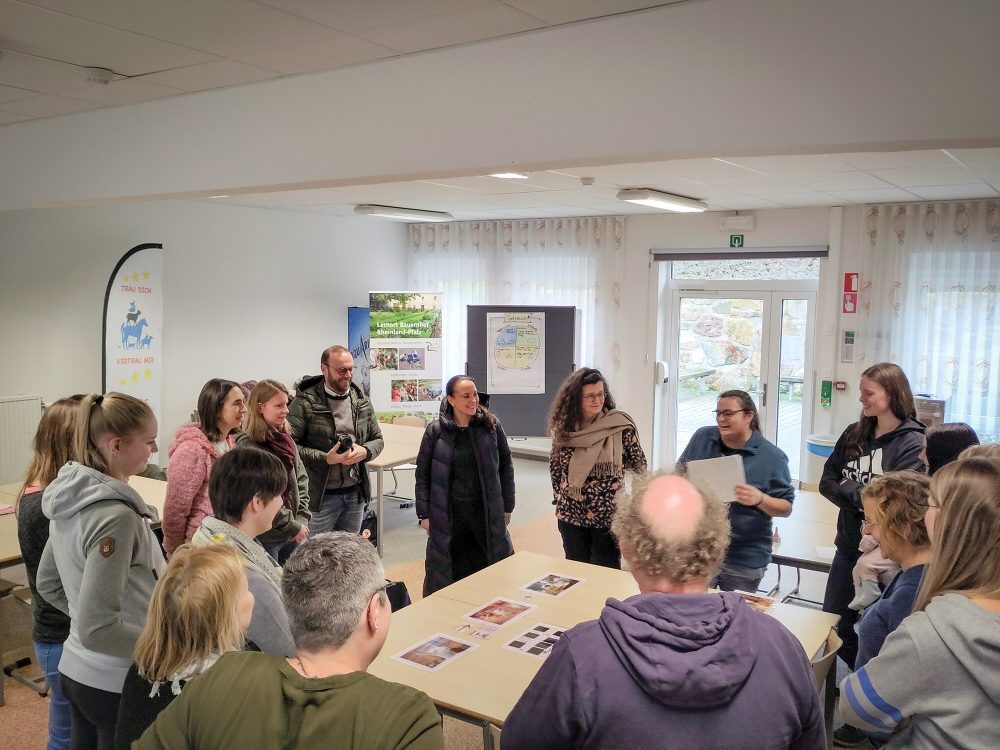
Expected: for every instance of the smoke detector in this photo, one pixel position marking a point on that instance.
(101, 76)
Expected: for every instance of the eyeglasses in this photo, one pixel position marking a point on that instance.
(340, 370)
(930, 504)
(726, 413)
(381, 588)
(594, 397)
(866, 524)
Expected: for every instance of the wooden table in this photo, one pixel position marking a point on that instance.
(402, 443)
(152, 491)
(483, 685)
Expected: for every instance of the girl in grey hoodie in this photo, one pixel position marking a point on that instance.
(936, 681)
(102, 560)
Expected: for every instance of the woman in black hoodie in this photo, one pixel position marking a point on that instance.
(887, 438)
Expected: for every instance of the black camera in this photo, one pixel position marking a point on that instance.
(344, 443)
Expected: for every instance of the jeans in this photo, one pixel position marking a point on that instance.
(94, 715)
(738, 578)
(590, 545)
(280, 551)
(839, 593)
(340, 510)
(48, 655)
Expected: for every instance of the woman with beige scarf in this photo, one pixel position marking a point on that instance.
(593, 445)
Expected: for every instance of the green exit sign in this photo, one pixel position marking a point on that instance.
(736, 240)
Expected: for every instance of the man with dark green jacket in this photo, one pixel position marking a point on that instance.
(334, 425)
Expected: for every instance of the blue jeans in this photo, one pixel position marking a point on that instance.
(280, 551)
(340, 510)
(48, 655)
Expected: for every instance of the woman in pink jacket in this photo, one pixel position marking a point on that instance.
(195, 447)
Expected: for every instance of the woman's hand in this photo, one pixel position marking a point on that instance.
(425, 524)
(506, 519)
(748, 495)
(301, 536)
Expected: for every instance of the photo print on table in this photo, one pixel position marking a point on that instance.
(435, 652)
(500, 611)
(551, 584)
(538, 641)
(760, 603)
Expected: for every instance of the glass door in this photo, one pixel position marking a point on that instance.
(719, 346)
(755, 341)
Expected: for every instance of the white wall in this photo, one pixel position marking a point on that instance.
(712, 78)
(248, 293)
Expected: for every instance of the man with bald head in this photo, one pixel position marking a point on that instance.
(676, 665)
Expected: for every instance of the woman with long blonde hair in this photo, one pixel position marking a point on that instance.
(102, 559)
(51, 451)
(267, 428)
(936, 680)
(200, 610)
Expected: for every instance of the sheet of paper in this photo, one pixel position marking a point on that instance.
(721, 474)
(538, 641)
(435, 652)
(826, 553)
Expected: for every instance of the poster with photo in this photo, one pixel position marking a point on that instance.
(359, 342)
(435, 652)
(537, 641)
(405, 354)
(500, 611)
(551, 584)
(515, 359)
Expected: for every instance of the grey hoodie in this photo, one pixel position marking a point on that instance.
(100, 566)
(939, 672)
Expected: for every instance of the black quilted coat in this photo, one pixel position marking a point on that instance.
(496, 476)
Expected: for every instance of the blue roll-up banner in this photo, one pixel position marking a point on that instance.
(358, 341)
(133, 327)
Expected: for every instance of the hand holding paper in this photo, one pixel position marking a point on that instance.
(722, 474)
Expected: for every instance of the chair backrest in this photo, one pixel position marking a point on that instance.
(822, 664)
(495, 734)
(409, 420)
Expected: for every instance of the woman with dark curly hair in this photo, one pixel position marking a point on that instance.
(464, 488)
(593, 445)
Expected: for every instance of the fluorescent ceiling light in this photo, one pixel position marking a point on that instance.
(404, 214)
(665, 201)
(218, 196)
(511, 175)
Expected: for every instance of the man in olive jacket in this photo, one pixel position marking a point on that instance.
(328, 409)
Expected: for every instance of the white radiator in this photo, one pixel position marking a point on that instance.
(19, 416)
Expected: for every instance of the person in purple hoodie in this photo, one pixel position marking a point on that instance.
(676, 665)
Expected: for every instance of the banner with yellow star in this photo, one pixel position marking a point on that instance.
(133, 325)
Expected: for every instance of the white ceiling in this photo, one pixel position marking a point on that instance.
(731, 183)
(161, 48)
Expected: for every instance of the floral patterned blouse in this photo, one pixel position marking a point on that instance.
(597, 505)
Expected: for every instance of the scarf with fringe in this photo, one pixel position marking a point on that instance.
(597, 450)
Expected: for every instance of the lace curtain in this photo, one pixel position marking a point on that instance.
(576, 262)
(928, 299)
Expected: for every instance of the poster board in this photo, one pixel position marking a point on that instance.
(523, 414)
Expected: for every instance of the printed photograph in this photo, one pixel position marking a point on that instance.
(405, 315)
(500, 611)
(429, 390)
(404, 390)
(435, 653)
(411, 359)
(385, 359)
(538, 641)
(760, 603)
(551, 584)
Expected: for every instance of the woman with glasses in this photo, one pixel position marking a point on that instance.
(936, 679)
(886, 438)
(464, 488)
(593, 445)
(766, 493)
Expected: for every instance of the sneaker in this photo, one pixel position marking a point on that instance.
(848, 736)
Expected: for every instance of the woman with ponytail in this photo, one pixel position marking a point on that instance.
(102, 559)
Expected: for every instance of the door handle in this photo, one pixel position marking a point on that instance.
(763, 395)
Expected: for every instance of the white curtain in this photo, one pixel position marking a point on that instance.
(576, 262)
(928, 298)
